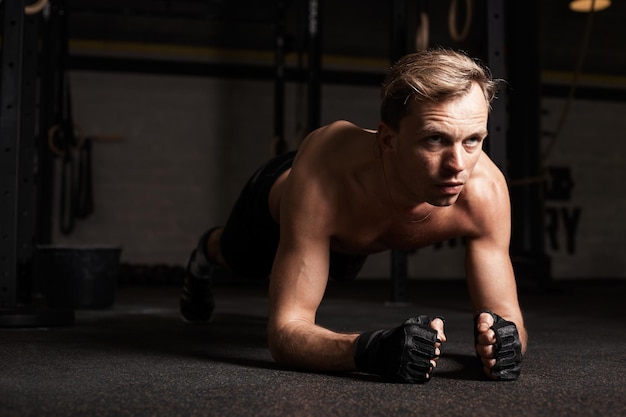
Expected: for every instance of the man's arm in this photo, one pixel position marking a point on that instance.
(298, 282)
(407, 353)
(490, 275)
(296, 290)
(492, 285)
(496, 309)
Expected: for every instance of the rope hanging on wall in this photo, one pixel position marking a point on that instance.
(452, 21)
(35, 7)
(423, 32)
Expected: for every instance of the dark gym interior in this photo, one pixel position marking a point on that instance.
(128, 127)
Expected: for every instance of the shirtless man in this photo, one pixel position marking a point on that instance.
(420, 178)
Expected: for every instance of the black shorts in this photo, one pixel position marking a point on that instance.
(250, 238)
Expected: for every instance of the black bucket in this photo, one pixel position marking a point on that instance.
(76, 276)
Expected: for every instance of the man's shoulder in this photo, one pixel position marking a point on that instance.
(331, 136)
(487, 181)
(485, 199)
(327, 171)
(334, 146)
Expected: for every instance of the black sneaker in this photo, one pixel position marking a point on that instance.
(196, 297)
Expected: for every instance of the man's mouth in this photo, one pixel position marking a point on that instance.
(451, 187)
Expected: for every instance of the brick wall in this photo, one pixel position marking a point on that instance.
(592, 146)
(189, 144)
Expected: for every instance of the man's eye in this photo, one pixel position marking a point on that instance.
(434, 139)
(473, 141)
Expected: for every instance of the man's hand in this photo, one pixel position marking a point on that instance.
(498, 345)
(407, 353)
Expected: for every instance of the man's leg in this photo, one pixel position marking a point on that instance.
(196, 298)
(246, 245)
(213, 248)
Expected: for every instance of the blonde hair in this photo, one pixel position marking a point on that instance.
(432, 75)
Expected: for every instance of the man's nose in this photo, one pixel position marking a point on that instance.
(455, 159)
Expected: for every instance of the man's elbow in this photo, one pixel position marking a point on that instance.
(276, 351)
(279, 346)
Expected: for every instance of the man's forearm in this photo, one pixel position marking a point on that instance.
(523, 335)
(304, 345)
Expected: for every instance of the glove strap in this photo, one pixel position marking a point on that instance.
(367, 345)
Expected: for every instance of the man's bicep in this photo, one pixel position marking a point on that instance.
(300, 271)
(298, 281)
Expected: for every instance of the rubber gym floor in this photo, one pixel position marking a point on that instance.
(138, 358)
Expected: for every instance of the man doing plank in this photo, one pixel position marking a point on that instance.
(420, 178)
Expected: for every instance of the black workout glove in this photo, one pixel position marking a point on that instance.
(508, 348)
(402, 354)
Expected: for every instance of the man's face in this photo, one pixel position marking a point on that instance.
(438, 145)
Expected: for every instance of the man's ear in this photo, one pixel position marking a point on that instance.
(387, 137)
